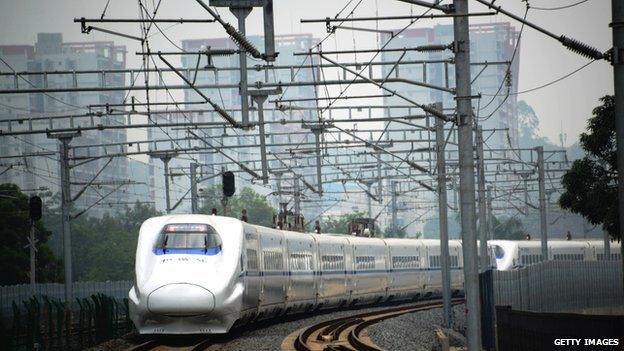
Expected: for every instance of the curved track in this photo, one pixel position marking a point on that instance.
(348, 333)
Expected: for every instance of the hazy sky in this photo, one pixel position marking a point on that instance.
(565, 105)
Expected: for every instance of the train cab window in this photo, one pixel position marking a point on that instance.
(188, 238)
(498, 252)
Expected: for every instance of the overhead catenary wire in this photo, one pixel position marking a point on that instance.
(559, 7)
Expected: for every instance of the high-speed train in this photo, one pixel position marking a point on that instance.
(202, 274)
(516, 254)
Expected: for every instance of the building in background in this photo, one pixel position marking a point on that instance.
(277, 133)
(49, 54)
(491, 47)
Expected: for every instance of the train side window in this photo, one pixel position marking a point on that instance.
(252, 259)
(300, 261)
(332, 262)
(365, 262)
(273, 260)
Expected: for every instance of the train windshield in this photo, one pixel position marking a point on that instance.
(188, 239)
(499, 252)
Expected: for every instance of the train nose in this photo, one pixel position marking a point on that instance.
(180, 300)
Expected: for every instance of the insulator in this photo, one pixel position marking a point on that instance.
(433, 48)
(581, 48)
(242, 41)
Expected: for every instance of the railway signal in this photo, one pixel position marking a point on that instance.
(35, 208)
(229, 184)
(34, 212)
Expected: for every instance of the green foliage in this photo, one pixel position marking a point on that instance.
(395, 233)
(591, 183)
(104, 248)
(507, 229)
(259, 211)
(14, 231)
(339, 224)
(432, 228)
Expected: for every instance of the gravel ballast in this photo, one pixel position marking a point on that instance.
(270, 334)
(400, 333)
(416, 331)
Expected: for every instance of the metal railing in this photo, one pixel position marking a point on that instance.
(18, 293)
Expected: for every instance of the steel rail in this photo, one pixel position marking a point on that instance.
(344, 332)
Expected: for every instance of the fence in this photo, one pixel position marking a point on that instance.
(557, 286)
(522, 330)
(47, 324)
(23, 292)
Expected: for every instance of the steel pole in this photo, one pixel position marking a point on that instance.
(394, 205)
(526, 196)
(194, 195)
(278, 184)
(483, 253)
(379, 179)
(607, 245)
(443, 215)
(241, 14)
(65, 204)
(31, 245)
(542, 202)
(165, 161)
(490, 214)
(369, 201)
(319, 174)
(297, 197)
(617, 14)
(259, 99)
(467, 175)
(269, 32)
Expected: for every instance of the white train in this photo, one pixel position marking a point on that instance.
(202, 274)
(516, 254)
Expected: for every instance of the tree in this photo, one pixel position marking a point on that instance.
(338, 224)
(259, 211)
(14, 231)
(396, 232)
(591, 183)
(507, 229)
(104, 248)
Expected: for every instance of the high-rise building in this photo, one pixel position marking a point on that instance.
(227, 72)
(51, 54)
(491, 46)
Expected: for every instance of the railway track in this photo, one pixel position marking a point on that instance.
(349, 333)
(177, 344)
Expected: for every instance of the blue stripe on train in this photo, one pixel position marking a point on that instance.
(370, 271)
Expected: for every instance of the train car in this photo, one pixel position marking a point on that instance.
(202, 274)
(597, 251)
(516, 254)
